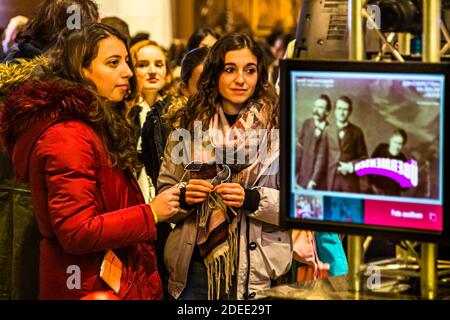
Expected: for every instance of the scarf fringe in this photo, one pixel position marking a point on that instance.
(222, 261)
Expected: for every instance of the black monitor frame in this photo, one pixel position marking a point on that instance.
(285, 150)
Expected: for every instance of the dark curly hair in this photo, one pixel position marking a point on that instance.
(196, 38)
(204, 102)
(76, 50)
(51, 17)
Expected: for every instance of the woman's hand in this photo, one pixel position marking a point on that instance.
(165, 204)
(233, 194)
(197, 191)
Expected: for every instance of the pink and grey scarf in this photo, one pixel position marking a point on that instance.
(217, 235)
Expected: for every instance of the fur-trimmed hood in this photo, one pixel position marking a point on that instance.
(15, 73)
(31, 108)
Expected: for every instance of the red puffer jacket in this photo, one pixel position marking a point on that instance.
(83, 206)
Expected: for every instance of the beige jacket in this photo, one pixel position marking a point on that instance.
(269, 259)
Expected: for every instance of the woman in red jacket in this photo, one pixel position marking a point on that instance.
(67, 138)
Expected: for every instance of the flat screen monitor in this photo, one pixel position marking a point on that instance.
(363, 148)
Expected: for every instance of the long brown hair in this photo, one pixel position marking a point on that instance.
(203, 103)
(76, 50)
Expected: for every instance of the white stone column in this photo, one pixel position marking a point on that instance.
(152, 16)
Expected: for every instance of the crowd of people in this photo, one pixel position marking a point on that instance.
(91, 120)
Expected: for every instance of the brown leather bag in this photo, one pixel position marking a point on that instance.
(306, 273)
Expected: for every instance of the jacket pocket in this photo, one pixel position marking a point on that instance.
(276, 248)
(171, 249)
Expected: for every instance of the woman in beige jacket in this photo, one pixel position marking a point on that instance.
(226, 243)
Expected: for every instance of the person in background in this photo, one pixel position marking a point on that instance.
(14, 27)
(67, 137)
(43, 28)
(177, 51)
(140, 36)
(226, 243)
(119, 25)
(276, 41)
(2, 53)
(269, 59)
(154, 78)
(203, 37)
(192, 67)
(160, 125)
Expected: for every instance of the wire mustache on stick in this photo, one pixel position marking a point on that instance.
(195, 166)
(222, 176)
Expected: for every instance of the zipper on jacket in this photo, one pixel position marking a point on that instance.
(247, 251)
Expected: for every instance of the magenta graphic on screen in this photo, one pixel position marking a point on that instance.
(404, 215)
(405, 173)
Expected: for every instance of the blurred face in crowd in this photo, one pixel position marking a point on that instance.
(396, 143)
(207, 41)
(191, 88)
(342, 111)
(320, 109)
(238, 80)
(151, 69)
(109, 70)
(278, 48)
